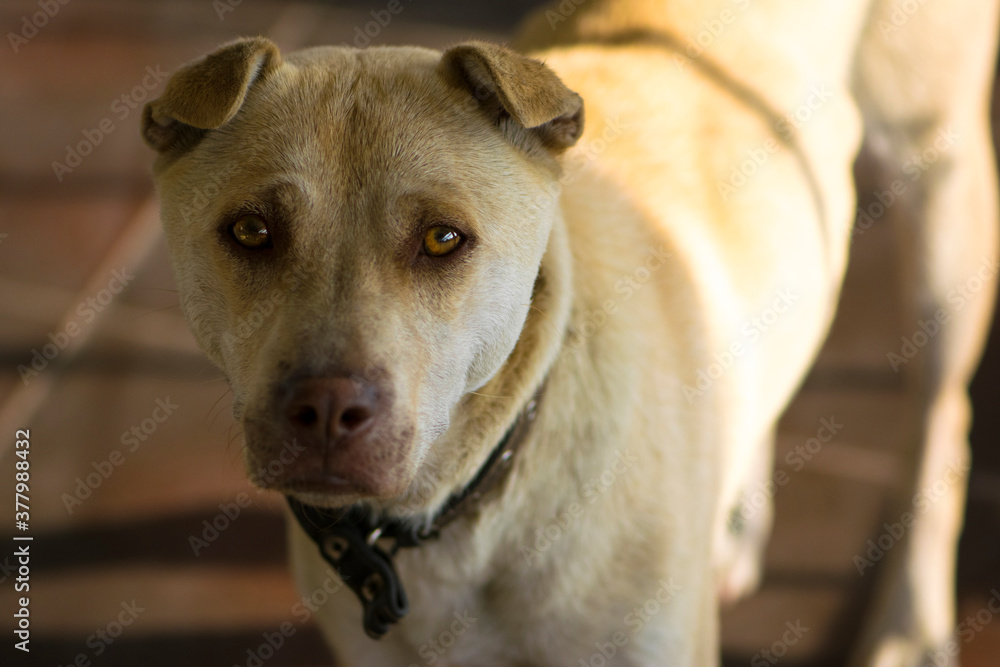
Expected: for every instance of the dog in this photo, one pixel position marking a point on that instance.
(491, 296)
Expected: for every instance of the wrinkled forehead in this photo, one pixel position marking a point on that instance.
(363, 121)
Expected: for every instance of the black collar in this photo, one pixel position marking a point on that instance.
(348, 538)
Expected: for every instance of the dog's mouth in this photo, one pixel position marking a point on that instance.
(319, 483)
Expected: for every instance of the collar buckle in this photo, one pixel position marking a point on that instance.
(348, 542)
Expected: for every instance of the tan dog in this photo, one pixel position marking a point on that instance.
(407, 248)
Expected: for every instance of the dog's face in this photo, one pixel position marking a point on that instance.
(356, 236)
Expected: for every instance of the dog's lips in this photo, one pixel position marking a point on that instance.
(335, 477)
(326, 484)
(316, 481)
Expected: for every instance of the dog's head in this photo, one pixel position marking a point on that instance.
(356, 235)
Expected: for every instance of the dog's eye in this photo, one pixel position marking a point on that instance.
(441, 240)
(250, 231)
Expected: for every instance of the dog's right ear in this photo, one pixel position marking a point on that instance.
(207, 93)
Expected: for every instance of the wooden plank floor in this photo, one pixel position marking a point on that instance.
(114, 514)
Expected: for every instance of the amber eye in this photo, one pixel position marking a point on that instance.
(441, 240)
(250, 231)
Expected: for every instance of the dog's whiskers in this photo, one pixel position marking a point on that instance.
(232, 437)
(154, 311)
(215, 379)
(141, 376)
(228, 391)
(161, 289)
(488, 395)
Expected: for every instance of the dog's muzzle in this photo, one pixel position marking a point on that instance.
(349, 443)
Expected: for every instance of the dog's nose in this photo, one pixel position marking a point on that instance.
(331, 409)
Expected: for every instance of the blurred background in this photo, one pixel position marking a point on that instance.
(149, 547)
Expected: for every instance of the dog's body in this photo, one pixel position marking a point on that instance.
(642, 258)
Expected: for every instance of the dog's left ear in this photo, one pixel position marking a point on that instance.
(511, 87)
